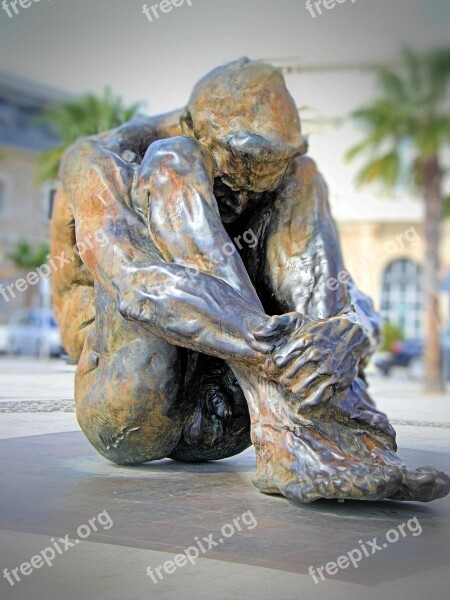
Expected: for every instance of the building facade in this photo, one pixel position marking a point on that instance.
(25, 204)
(386, 260)
(382, 241)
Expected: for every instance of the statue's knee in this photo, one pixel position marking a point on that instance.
(127, 436)
(127, 399)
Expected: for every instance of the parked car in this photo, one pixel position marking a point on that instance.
(409, 354)
(3, 339)
(35, 332)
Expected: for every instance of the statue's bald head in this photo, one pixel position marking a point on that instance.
(244, 115)
(247, 105)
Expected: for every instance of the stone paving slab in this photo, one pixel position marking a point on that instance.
(42, 406)
(29, 424)
(404, 400)
(27, 379)
(103, 571)
(55, 483)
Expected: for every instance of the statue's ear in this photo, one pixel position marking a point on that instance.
(187, 124)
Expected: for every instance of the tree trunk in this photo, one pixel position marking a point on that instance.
(431, 179)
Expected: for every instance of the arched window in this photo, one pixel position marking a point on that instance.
(402, 300)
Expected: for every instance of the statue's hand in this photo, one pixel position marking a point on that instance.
(313, 358)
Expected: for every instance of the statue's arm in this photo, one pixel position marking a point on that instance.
(174, 195)
(165, 265)
(306, 264)
(129, 140)
(214, 312)
(303, 250)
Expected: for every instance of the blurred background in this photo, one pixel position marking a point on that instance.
(371, 81)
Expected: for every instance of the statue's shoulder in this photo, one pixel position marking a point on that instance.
(307, 166)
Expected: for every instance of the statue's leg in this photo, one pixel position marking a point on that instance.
(128, 384)
(138, 398)
(72, 284)
(129, 388)
(342, 447)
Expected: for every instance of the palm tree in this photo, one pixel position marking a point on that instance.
(85, 116)
(413, 111)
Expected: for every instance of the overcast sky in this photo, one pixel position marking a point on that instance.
(79, 45)
(84, 44)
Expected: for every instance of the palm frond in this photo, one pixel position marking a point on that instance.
(447, 207)
(437, 65)
(413, 72)
(385, 170)
(392, 84)
(410, 112)
(88, 115)
(434, 135)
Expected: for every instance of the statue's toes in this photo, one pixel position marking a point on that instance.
(218, 404)
(203, 428)
(362, 484)
(423, 485)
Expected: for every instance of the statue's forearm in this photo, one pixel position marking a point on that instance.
(185, 307)
(193, 310)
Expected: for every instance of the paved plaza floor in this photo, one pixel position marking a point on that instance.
(236, 542)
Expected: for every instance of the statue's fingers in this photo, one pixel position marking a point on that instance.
(278, 325)
(298, 364)
(304, 383)
(264, 347)
(356, 337)
(320, 395)
(266, 330)
(292, 350)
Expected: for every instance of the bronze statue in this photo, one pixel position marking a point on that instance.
(217, 220)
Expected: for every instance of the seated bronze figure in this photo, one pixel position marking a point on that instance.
(216, 221)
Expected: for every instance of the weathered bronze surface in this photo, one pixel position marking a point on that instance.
(215, 220)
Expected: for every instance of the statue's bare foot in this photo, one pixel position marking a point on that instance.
(208, 422)
(218, 428)
(305, 464)
(421, 485)
(332, 460)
